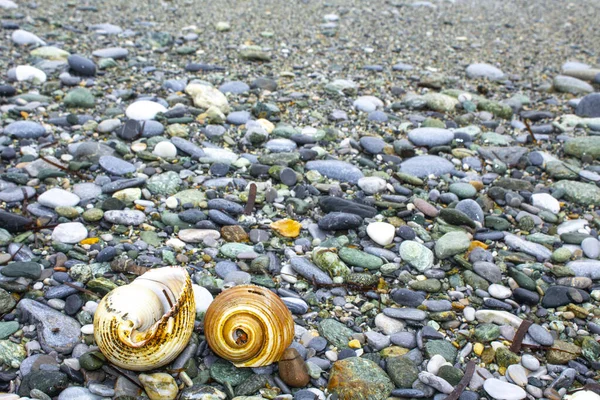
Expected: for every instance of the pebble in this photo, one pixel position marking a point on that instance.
(25, 130)
(144, 110)
(430, 137)
(165, 150)
(56, 197)
(125, 217)
(381, 233)
(116, 166)
(70, 232)
(423, 166)
(503, 390)
(482, 70)
(417, 255)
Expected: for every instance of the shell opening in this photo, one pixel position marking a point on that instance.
(240, 337)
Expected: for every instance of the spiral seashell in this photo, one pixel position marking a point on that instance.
(146, 324)
(249, 326)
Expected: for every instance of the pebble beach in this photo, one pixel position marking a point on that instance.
(416, 181)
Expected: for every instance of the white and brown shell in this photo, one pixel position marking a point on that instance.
(146, 324)
(248, 325)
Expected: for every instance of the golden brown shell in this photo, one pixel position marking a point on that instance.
(146, 324)
(249, 326)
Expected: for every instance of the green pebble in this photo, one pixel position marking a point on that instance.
(359, 258)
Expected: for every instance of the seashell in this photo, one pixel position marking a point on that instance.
(146, 324)
(248, 325)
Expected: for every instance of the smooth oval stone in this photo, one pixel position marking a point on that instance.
(337, 221)
(25, 130)
(541, 335)
(310, 271)
(430, 137)
(144, 110)
(503, 390)
(334, 169)
(423, 166)
(81, 65)
(116, 165)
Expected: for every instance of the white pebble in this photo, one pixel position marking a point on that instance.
(530, 362)
(165, 150)
(29, 73)
(381, 233)
(202, 297)
(435, 363)
(500, 390)
(144, 110)
(469, 313)
(87, 329)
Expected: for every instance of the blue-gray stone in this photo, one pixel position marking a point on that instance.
(372, 145)
(423, 166)
(238, 117)
(310, 271)
(472, 209)
(227, 206)
(430, 137)
(235, 87)
(25, 130)
(49, 321)
(187, 147)
(116, 166)
(334, 169)
(223, 268)
(280, 145)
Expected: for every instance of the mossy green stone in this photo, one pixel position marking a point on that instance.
(429, 285)
(505, 357)
(8, 328)
(450, 374)
(80, 98)
(165, 184)
(359, 379)
(225, 372)
(590, 349)
(335, 332)
(523, 280)
(329, 262)
(359, 258)
(101, 285)
(403, 371)
(23, 269)
(500, 110)
(362, 279)
(497, 223)
(151, 238)
(487, 332)
(231, 250)
(67, 212)
(583, 146)
(452, 243)
(92, 360)
(475, 280)
(562, 352)
(578, 192)
(11, 354)
(441, 347)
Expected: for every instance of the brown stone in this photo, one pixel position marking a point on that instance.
(562, 352)
(292, 369)
(234, 233)
(426, 208)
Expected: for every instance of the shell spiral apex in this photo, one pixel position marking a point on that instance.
(249, 326)
(146, 324)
